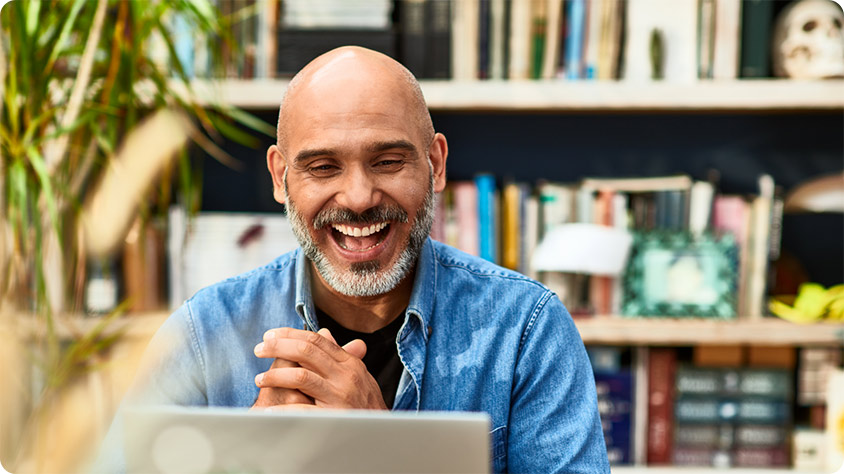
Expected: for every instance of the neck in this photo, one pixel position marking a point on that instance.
(361, 313)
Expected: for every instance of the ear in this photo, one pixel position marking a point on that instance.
(438, 153)
(276, 164)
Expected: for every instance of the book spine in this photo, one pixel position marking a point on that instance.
(538, 32)
(413, 39)
(756, 38)
(662, 363)
(574, 41)
(497, 39)
(511, 226)
(438, 51)
(486, 216)
(484, 39)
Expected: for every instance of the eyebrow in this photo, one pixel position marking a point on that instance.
(305, 155)
(391, 145)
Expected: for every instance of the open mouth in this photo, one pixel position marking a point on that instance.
(359, 238)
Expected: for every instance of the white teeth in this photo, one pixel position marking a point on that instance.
(359, 231)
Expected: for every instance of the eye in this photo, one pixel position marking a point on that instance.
(322, 170)
(837, 23)
(810, 25)
(389, 164)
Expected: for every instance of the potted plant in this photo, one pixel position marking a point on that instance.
(77, 78)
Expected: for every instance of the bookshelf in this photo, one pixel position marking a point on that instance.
(582, 96)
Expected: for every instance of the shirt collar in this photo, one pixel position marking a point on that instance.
(421, 298)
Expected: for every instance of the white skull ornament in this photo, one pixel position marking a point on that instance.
(808, 40)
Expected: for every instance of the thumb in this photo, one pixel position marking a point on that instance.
(356, 348)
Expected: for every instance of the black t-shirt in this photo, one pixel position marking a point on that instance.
(382, 357)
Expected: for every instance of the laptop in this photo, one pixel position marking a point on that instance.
(223, 440)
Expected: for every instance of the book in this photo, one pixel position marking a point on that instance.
(576, 19)
(610, 40)
(615, 404)
(553, 39)
(834, 417)
(600, 287)
(498, 39)
(758, 248)
(538, 25)
(520, 30)
(511, 231)
(662, 362)
(725, 61)
(731, 214)
(676, 23)
(483, 38)
(413, 38)
(755, 52)
(595, 14)
(298, 46)
(464, 40)
(487, 222)
(467, 216)
(438, 46)
(530, 231)
(556, 205)
(705, 38)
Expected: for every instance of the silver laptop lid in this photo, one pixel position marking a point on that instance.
(222, 440)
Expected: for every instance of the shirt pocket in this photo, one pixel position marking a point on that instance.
(498, 437)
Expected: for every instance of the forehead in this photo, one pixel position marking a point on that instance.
(349, 107)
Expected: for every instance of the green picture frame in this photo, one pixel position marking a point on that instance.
(676, 274)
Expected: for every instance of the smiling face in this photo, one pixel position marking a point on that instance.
(357, 171)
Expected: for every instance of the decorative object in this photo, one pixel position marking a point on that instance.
(675, 274)
(808, 40)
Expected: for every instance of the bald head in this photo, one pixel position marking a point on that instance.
(352, 72)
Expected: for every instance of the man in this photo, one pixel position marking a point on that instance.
(357, 164)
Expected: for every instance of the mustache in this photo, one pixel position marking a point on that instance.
(372, 215)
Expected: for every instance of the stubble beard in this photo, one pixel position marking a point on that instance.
(363, 278)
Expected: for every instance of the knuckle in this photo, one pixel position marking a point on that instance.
(301, 376)
(312, 338)
(305, 348)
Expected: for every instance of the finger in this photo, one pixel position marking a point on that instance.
(356, 348)
(269, 396)
(278, 337)
(298, 378)
(324, 332)
(295, 352)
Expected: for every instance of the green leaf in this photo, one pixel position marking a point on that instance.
(32, 16)
(65, 32)
(251, 121)
(40, 168)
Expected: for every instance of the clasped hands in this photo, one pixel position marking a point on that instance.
(311, 370)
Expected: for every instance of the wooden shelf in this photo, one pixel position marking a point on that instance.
(576, 96)
(618, 330)
(611, 330)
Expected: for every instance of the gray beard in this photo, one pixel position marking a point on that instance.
(363, 278)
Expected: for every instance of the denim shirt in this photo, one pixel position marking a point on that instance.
(475, 337)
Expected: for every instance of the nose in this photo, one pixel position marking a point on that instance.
(359, 191)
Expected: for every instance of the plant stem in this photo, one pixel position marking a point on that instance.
(80, 85)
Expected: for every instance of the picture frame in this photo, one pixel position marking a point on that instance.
(676, 274)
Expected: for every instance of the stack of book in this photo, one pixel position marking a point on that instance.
(732, 417)
(723, 244)
(493, 39)
(598, 39)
